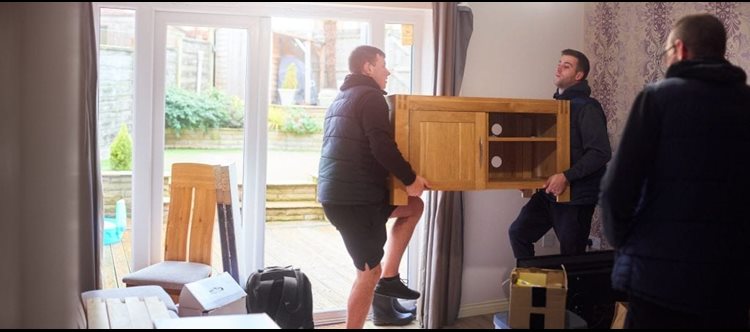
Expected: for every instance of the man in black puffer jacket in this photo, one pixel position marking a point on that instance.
(674, 201)
(589, 154)
(358, 154)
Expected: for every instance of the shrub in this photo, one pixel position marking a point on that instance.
(290, 77)
(121, 150)
(235, 113)
(298, 122)
(276, 117)
(210, 109)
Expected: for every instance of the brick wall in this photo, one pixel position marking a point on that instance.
(230, 138)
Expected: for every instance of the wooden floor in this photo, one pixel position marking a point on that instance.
(313, 246)
(476, 322)
(115, 262)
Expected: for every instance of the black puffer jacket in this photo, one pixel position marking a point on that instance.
(358, 147)
(589, 144)
(674, 201)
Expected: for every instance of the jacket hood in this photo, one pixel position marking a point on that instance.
(713, 70)
(353, 80)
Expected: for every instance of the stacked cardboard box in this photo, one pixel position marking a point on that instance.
(537, 298)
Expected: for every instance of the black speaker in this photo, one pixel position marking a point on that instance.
(590, 293)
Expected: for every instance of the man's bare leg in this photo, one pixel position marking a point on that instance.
(400, 234)
(360, 297)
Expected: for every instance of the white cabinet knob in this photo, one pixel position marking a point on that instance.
(496, 161)
(497, 129)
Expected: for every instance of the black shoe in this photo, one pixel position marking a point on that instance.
(393, 287)
(383, 312)
(404, 310)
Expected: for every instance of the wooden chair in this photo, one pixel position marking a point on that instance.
(190, 224)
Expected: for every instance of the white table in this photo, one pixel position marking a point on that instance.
(247, 321)
(125, 313)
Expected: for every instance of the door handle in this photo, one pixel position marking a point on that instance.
(480, 151)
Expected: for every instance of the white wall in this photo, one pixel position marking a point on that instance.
(513, 53)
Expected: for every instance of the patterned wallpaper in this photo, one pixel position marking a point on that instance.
(624, 41)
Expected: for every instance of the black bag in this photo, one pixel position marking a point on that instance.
(284, 293)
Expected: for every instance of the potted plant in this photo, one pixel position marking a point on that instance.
(289, 85)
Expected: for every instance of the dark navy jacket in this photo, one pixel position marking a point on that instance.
(675, 198)
(589, 144)
(358, 148)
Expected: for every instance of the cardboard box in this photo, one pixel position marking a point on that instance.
(217, 295)
(537, 298)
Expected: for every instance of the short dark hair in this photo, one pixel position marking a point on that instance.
(583, 61)
(703, 35)
(361, 55)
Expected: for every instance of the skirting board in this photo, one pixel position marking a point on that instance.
(482, 308)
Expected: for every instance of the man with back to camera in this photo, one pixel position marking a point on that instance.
(589, 153)
(358, 154)
(674, 200)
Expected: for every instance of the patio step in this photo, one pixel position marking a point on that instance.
(291, 192)
(292, 202)
(294, 211)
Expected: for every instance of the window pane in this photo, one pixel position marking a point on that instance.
(309, 62)
(115, 130)
(398, 50)
(205, 103)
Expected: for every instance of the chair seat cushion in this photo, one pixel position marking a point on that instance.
(169, 275)
(139, 292)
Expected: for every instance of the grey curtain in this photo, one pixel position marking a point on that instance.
(49, 177)
(90, 157)
(443, 243)
(452, 25)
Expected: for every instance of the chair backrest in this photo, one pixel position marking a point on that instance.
(192, 212)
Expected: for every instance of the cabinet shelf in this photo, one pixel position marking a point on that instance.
(521, 160)
(522, 139)
(513, 183)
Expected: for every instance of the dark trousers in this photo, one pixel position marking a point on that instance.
(644, 314)
(571, 223)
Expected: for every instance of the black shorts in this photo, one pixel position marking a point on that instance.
(363, 229)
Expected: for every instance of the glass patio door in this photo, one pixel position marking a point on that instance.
(308, 65)
(171, 71)
(207, 96)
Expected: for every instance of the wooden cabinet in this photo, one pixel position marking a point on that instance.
(466, 143)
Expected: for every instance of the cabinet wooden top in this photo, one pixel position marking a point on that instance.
(473, 104)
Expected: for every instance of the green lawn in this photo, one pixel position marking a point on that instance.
(284, 167)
